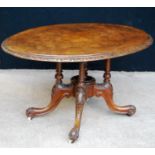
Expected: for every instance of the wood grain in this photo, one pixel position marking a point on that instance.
(76, 42)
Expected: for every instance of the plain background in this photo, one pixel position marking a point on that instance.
(14, 20)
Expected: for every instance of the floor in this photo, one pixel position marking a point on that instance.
(20, 89)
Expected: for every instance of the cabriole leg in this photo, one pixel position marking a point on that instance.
(106, 91)
(80, 100)
(59, 91)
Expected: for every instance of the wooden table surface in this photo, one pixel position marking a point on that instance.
(76, 42)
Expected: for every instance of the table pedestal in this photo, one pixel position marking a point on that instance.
(81, 87)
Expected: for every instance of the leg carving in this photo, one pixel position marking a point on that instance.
(80, 96)
(80, 100)
(57, 95)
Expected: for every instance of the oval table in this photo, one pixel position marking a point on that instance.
(78, 43)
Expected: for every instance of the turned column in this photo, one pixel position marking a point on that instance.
(59, 75)
(82, 73)
(107, 69)
(86, 69)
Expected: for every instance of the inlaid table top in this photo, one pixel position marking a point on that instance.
(77, 42)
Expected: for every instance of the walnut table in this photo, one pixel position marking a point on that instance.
(78, 43)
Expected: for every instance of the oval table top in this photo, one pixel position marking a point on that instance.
(76, 42)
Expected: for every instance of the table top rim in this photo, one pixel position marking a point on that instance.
(71, 58)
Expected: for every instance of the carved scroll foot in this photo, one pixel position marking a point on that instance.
(58, 92)
(131, 110)
(127, 110)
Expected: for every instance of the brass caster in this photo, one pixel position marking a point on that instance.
(29, 118)
(132, 110)
(70, 141)
(73, 135)
(29, 113)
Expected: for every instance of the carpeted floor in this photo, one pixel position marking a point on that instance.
(20, 89)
